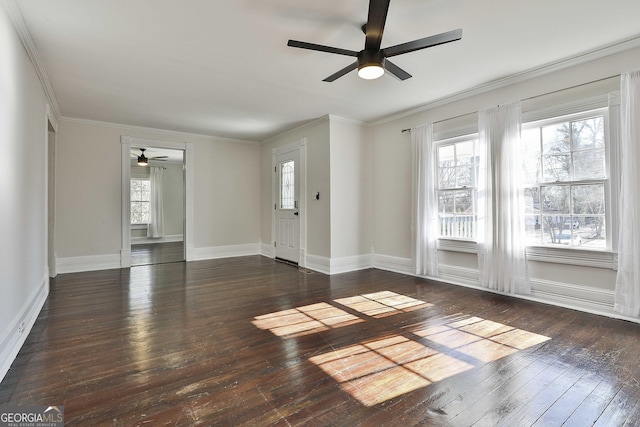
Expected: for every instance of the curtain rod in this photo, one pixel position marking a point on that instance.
(530, 98)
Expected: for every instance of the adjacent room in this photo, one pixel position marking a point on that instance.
(321, 213)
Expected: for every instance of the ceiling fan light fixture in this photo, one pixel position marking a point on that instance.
(142, 159)
(370, 65)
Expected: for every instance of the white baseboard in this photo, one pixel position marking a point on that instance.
(87, 263)
(394, 264)
(165, 239)
(350, 263)
(318, 263)
(12, 340)
(216, 252)
(267, 250)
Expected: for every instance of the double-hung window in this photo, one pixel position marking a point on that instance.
(140, 198)
(457, 169)
(566, 180)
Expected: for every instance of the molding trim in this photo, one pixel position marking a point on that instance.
(574, 296)
(287, 133)
(469, 276)
(88, 263)
(532, 73)
(350, 263)
(172, 134)
(267, 250)
(393, 263)
(11, 340)
(19, 24)
(318, 263)
(216, 252)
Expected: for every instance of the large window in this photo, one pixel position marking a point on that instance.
(140, 196)
(457, 161)
(566, 181)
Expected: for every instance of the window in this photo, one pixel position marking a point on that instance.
(457, 161)
(287, 185)
(140, 196)
(566, 181)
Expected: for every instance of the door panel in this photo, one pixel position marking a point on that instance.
(287, 214)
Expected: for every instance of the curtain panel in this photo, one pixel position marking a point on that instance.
(501, 235)
(627, 294)
(425, 203)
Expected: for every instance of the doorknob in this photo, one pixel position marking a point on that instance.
(296, 213)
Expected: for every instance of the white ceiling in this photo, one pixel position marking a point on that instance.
(222, 67)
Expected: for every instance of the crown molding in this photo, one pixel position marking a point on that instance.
(173, 134)
(325, 118)
(19, 24)
(542, 70)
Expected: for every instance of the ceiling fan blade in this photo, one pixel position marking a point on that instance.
(159, 157)
(375, 24)
(449, 36)
(396, 71)
(342, 72)
(321, 48)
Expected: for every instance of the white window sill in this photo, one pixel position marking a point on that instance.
(569, 256)
(139, 226)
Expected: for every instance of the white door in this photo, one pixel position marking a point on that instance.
(287, 203)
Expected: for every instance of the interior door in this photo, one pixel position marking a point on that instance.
(287, 204)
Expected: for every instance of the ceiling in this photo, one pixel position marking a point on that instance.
(222, 68)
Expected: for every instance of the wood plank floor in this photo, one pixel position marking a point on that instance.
(157, 253)
(249, 341)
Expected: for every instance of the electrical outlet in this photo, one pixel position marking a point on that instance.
(21, 328)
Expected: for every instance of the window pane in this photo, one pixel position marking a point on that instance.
(588, 133)
(446, 156)
(557, 168)
(287, 185)
(447, 177)
(588, 199)
(465, 152)
(532, 228)
(555, 199)
(556, 139)
(464, 202)
(466, 176)
(446, 201)
(532, 200)
(592, 232)
(588, 164)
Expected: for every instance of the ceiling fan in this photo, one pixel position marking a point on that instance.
(144, 160)
(372, 60)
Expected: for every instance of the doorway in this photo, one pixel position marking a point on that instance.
(288, 227)
(51, 199)
(157, 205)
(156, 221)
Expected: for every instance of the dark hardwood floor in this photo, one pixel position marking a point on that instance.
(157, 253)
(249, 341)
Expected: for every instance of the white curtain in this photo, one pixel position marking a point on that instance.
(628, 276)
(501, 235)
(425, 204)
(156, 214)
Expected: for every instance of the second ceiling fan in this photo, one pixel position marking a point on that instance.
(372, 61)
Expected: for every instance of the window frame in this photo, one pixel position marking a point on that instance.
(609, 197)
(137, 225)
(456, 243)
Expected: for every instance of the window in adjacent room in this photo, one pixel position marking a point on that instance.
(457, 168)
(140, 197)
(566, 181)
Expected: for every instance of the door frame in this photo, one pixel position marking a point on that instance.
(126, 143)
(301, 146)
